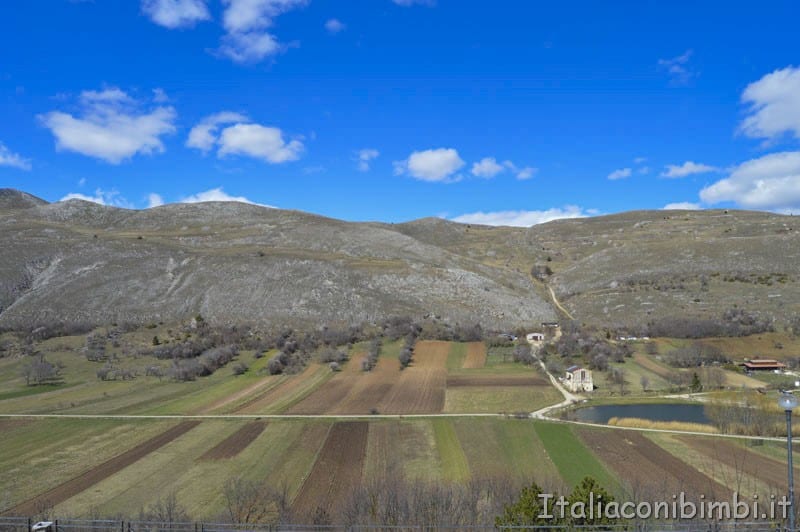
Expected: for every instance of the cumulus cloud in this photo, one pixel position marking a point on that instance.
(770, 182)
(688, 168)
(260, 142)
(101, 197)
(334, 26)
(154, 200)
(217, 194)
(487, 167)
(774, 105)
(678, 68)
(431, 165)
(246, 22)
(14, 160)
(364, 157)
(525, 172)
(243, 138)
(176, 13)
(681, 206)
(203, 136)
(110, 125)
(521, 218)
(622, 173)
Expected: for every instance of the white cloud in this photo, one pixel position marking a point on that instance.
(622, 173)
(681, 206)
(335, 26)
(408, 3)
(159, 96)
(242, 138)
(217, 194)
(258, 141)
(644, 170)
(101, 197)
(521, 218)
(110, 126)
(14, 160)
(365, 156)
(770, 182)
(678, 68)
(639, 160)
(487, 167)
(154, 200)
(526, 172)
(686, 169)
(176, 13)
(203, 136)
(431, 165)
(246, 22)
(774, 105)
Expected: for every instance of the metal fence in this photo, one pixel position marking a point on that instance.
(24, 524)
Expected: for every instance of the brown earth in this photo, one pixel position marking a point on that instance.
(236, 442)
(325, 398)
(254, 388)
(336, 472)
(421, 386)
(476, 355)
(651, 365)
(8, 424)
(457, 381)
(646, 469)
(370, 388)
(273, 394)
(771, 472)
(72, 487)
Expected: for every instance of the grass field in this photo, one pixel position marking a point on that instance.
(112, 468)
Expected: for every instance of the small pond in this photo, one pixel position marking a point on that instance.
(683, 412)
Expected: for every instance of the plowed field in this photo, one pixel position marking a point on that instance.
(88, 479)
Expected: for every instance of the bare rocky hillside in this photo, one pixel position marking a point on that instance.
(232, 262)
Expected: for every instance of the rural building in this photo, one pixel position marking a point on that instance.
(578, 379)
(535, 337)
(763, 364)
(550, 324)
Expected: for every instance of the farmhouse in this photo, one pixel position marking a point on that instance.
(763, 364)
(578, 379)
(535, 337)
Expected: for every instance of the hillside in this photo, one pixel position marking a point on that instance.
(232, 262)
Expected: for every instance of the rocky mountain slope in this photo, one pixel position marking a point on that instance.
(231, 262)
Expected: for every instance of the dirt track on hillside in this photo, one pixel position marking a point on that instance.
(421, 386)
(236, 442)
(336, 472)
(476, 355)
(646, 469)
(101, 472)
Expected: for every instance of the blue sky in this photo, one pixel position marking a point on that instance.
(497, 112)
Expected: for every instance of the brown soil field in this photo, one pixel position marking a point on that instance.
(330, 394)
(456, 381)
(476, 355)
(648, 470)
(421, 386)
(370, 388)
(253, 389)
(651, 365)
(236, 442)
(336, 472)
(88, 479)
(8, 424)
(771, 472)
(275, 393)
